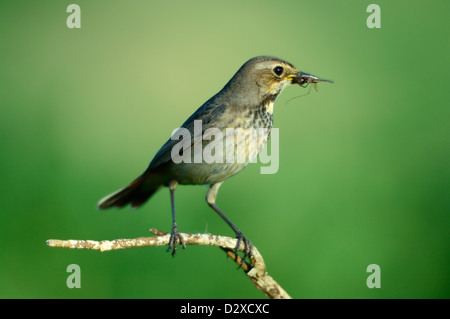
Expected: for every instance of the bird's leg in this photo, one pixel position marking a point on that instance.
(211, 200)
(175, 235)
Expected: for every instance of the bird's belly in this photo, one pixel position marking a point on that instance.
(196, 173)
(239, 147)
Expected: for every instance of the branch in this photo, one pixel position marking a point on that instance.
(256, 271)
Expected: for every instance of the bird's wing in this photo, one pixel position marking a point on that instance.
(209, 113)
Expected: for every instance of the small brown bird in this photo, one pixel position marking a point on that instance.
(244, 105)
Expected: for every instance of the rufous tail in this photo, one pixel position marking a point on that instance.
(135, 194)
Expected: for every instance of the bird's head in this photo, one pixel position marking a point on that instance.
(265, 76)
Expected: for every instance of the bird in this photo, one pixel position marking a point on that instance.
(243, 111)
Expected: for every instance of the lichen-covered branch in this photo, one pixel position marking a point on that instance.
(256, 271)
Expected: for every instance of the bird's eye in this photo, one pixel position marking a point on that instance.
(278, 70)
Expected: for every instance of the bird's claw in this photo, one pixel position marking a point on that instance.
(175, 238)
(248, 247)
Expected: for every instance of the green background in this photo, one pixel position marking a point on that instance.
(364, 163)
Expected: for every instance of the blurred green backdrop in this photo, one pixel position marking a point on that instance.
(363, 176)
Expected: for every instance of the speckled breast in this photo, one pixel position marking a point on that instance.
(243, 138)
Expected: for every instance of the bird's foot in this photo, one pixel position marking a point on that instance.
(175, 238)
(248, 247)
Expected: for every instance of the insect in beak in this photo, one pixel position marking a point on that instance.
(304, 79)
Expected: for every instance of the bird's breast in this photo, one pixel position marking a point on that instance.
(254, 132)
(242, 136)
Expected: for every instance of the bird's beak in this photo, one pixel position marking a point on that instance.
(303, 79)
